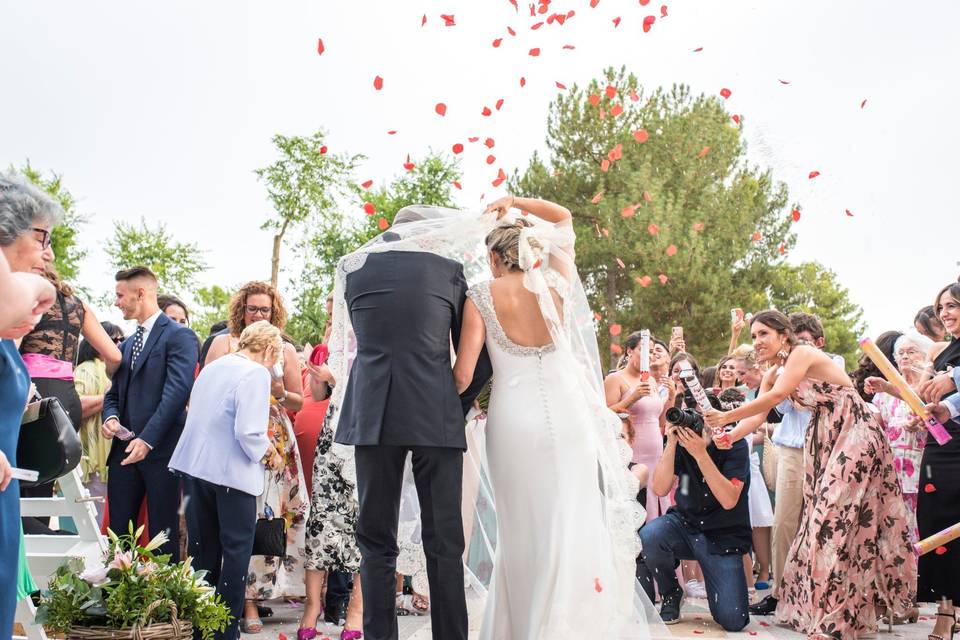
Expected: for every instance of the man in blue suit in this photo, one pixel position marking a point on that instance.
(148, 398)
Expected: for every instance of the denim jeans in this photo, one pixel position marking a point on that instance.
(667, 539)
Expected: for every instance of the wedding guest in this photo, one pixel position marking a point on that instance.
(866, 368)
(217, 329)
(229, 406)
(708, 377)
(27, 216)
(285, 492)
(853, 549)
(939, 507)
(929, 325)
(726, 374)
(147, 398)
(175, 308)
(629, 392)
(91, 381)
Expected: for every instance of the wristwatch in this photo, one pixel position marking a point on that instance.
(282, 398)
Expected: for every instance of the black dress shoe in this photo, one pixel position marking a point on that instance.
(766, 607)
(670, 609)
(264, 611)
(336, 614)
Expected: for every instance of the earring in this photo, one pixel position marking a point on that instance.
(783, 353)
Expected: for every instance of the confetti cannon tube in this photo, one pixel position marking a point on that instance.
(906, 393)
(692, 383)
(937, 540)
(645, 353)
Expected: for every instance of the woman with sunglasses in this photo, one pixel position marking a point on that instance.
(91, 382)
(285, 491)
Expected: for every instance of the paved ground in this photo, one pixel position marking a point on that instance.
(696, 624)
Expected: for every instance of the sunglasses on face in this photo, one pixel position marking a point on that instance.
(263, 311)
(45, 239)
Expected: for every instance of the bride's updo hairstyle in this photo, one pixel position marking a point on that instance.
(504, 241)
(779, 323)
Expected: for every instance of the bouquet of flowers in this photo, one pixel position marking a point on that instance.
(134, 590)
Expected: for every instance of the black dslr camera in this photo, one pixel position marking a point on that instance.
(688, 418)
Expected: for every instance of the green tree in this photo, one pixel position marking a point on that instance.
(673, 225)
(67, 252)
(176, 264)
(303, 186)
(210, 307)
(430, 181)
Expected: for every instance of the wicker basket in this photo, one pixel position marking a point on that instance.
(176, 629)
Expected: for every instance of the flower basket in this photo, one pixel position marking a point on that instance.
(134, 594)
(176, 629)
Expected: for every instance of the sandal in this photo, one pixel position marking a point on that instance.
(251, 625)
(953, 627)
(406, 606)
(421, 603)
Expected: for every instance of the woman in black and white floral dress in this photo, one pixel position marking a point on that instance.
(330, 541)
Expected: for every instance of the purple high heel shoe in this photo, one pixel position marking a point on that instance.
(350, 635)
(307, 634)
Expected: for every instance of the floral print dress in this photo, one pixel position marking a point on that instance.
(270, 577)
(853, 550)
(894, 415)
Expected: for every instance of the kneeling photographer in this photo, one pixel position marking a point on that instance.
(710, 522)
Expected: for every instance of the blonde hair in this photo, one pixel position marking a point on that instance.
(504, 241)
(259, 336)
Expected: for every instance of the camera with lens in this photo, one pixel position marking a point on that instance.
(689, 418)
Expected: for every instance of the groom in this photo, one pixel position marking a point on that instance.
(405, 307)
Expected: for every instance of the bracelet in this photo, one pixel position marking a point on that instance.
(282, 398)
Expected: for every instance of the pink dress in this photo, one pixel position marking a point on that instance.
(907, 450)
(648, 446)
(852, 551)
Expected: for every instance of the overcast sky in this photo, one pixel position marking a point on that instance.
(163, 110)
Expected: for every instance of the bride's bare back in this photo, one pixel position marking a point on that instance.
(519, 313)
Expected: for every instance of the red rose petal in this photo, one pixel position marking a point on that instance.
(633, 95)
(929, 488)
(615, 329)
(672, 250)
(628, 211)
(653, 229)
(863, 104)
(698, 226)
(560, 85)
(597, 198)
(491, 159)
(616, 22)
(644, 3)
(615, 349)
(489, 143)
(496, 43)
(501, 176)
(604, 165)
(323, 150)
(783, 248)
(367, 184)
(647, 196)
(382, 223)
(703, 152)
(641, 135)
(392, 132)
(611, 91)
(725, 93)
(753, 633)
(408, 165)
(523, 81)
(663, 279)
(569, 47)
(597, 316)
(514, 3)
(848, 212)
(369, 208)
(486, 111)
(784, 82)
(458, 148)
(536, 26)
(698, 631)
(663, 11)
(648, 23)
(511, 31)
(457, 185)
(940, 551)
(448, 20)
(424, 20)
(378, 83)
(594, 3)
(813, 174)
(534, 52)
(735, 118)
(499, 104)
(594, 99)
(441, 109)
(472, 139)
(698, 50)
(795, 214)
(756, 236)
(615, 110)
(645, 281)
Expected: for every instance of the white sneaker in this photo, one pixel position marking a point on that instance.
(696, 589)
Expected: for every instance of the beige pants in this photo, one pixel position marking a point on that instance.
(786, 512)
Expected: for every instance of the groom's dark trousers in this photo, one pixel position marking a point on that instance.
(405, 308)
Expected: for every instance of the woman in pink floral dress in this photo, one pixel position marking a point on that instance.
(852, 557)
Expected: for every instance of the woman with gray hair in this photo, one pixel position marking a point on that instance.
(26, 218)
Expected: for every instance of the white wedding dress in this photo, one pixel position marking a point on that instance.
(553, 554)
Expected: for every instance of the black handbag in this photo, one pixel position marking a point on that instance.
(48, 443)
(270, 536)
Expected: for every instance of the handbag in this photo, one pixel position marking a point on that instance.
(270, 536)
(48, 443)
(771, 455)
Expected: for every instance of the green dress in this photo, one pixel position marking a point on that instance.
(25, 585)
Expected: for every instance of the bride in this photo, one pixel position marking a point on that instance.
(566, 512)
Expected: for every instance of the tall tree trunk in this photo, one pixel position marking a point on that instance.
(611, 296)
(275, 260)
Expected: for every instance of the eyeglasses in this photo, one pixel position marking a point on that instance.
(263, 311)
(118, 340)
(45, 239)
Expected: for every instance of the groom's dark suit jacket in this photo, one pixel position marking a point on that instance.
(404, 307)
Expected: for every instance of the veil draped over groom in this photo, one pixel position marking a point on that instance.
(547, 255)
